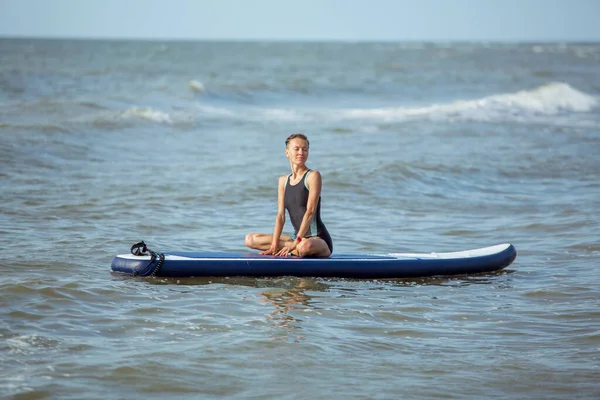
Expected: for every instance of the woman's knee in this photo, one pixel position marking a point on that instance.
(249, 240)
(310, 248)
(303, 248)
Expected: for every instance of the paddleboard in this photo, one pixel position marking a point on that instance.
(395, 265)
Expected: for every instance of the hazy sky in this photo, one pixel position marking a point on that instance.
(349, 20)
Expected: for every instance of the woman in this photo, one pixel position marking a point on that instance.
(300, 194)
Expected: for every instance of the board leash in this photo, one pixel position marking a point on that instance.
(140, 249)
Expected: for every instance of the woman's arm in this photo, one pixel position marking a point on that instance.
(280, 218)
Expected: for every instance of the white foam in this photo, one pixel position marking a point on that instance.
(217, 111)
(25, 343)
(547, 99)
(196, 86)
(282, 114)
(148, 114)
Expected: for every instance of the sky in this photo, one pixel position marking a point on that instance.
(313, 20)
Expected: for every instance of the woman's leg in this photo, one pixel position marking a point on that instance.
(313, 247)
(262, 241)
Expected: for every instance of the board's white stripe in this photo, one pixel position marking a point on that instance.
(484, 251)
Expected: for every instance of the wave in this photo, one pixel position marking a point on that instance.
(549, 99)
(555, 98)
(134, 116)
(148, 114)
(128, 117)
(554, 103)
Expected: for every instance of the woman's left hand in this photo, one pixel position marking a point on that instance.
(287, 249)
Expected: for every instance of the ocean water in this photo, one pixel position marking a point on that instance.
(422, 147)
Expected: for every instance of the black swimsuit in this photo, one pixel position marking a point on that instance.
(295, 201)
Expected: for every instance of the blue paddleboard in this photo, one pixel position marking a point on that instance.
(396, 265)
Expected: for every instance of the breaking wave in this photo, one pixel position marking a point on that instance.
(556, 98)
(549, 99)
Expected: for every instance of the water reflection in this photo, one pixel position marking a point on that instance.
(324, 284)
(287, 296)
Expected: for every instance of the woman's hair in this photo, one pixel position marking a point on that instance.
(296, 136)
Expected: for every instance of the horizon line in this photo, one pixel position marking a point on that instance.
(299, 40)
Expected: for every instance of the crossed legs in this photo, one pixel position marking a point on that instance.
(308, 247)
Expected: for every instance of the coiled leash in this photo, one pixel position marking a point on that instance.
(140, 249)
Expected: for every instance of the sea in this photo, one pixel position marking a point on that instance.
(423, 147)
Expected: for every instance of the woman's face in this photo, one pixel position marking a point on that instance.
(297, 151)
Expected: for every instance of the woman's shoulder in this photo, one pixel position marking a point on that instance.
(313, 173)
(313, 176)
